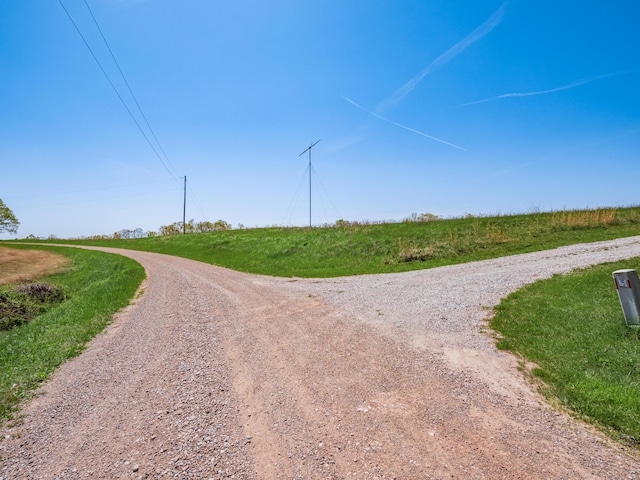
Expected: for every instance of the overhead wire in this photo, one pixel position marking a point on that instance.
(292, 206)
(192, 196)
(113, 57)
(321, 187)
(164, 164)
(319, 196)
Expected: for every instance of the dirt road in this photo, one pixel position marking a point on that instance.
(218, 374)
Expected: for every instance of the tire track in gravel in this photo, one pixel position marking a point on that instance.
(219, 374)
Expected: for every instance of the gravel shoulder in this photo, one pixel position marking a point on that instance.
(218, 374)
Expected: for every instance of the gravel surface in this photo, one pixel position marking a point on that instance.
(218, 374)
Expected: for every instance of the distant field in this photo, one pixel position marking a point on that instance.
(23, 265)
(352, 248)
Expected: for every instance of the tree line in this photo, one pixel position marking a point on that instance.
(9, 223)
(175, 228)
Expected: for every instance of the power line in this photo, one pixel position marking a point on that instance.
(172, 171)
(113, 57)
(116, 90)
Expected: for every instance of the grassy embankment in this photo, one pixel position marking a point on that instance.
(584, 356)
(95, 286)
(359, 249)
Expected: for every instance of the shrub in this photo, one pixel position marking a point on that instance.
(23, 303)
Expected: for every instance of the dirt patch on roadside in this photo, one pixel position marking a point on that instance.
(28, 265)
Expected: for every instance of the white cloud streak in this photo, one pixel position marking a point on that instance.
(380, 117)
(492, 22)
(551, 90)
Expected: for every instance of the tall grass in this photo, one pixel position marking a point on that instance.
(601, 217)
(97, 285)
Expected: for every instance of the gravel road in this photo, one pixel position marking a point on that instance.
(218, 374)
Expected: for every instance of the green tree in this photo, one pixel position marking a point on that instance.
(8, 221)
(206, 226)
(173, 229)
(221, 225)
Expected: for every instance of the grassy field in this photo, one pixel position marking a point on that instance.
(96, 285)
(572, 328)
(353, 249)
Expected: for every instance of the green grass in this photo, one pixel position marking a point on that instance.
(97, 285)
(573, 329)
(381, 248)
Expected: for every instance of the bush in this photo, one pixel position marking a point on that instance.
(23, 303)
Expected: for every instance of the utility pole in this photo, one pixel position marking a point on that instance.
(184, 208)
(309, 150)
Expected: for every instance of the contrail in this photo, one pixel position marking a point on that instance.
(400, 125)
(551, 90)
(492, 22)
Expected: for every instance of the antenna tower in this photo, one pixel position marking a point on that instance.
(184, 207)
(308, 149)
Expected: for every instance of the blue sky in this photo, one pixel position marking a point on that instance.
(421, 106)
